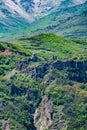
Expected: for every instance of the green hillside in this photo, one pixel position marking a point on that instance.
(43, 83)
(47, 45)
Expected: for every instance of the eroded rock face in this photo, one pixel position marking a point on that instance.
(6, 125)
(31, 95)
(75, 70)
(43, 117)
(60, 65)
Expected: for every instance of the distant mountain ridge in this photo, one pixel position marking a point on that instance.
(16, 15)
(68, 22)
(30, 9)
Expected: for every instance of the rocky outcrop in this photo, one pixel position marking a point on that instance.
(75, 70)
(6, 52)
(61, 65)
(31, 95)
(6, 125)
(34, 58)
(39, 71)
(21, 65)
(43, 117)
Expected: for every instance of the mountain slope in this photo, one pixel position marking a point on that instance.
(43, 83)
(12, 18)
(74, 27)
(17, 15)
(58, 21)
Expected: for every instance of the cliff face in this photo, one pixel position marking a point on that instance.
(6, 125)
(56, 106)
(75, 70)
(43, 117)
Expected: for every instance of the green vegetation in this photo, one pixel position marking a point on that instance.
(15, 105)
(59, 72)
(16, 48)
(47, 45)
(72, 99)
